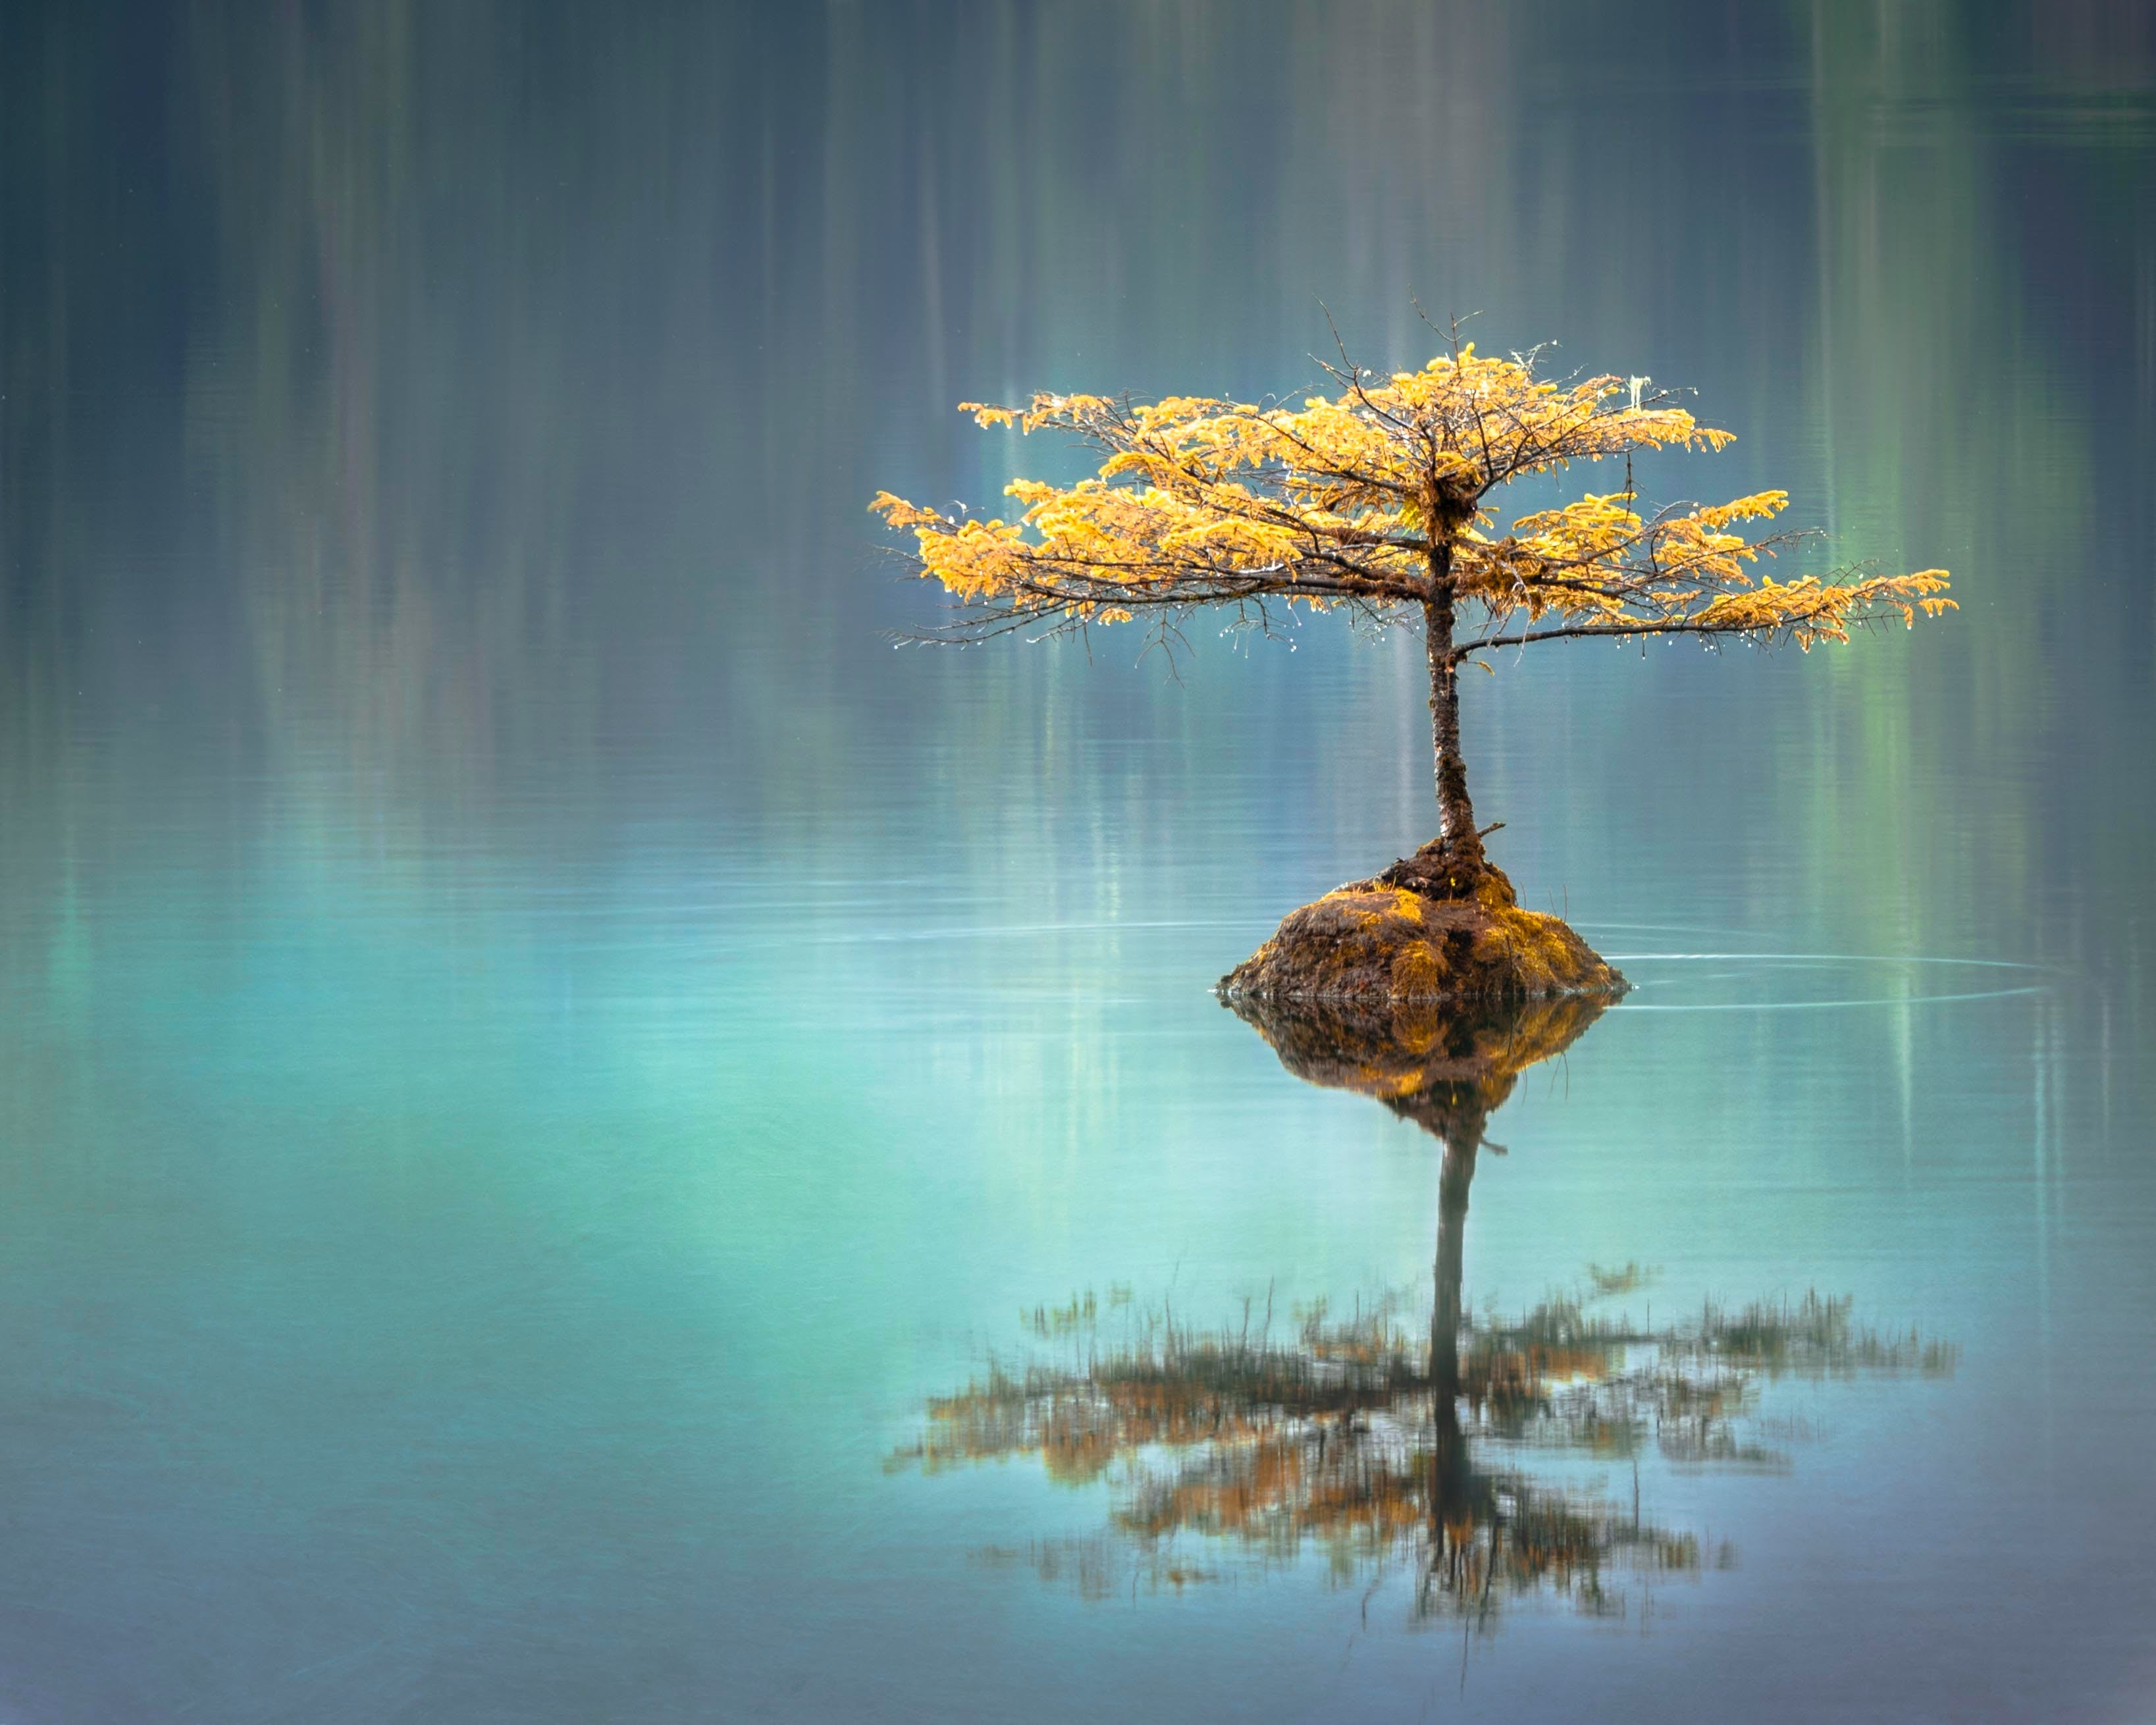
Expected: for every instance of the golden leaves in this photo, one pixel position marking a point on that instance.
(897, 512)
(1809, 610)
(1046, 410)
(1375, 496)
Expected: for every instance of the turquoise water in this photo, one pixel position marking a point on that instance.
(532, 1043)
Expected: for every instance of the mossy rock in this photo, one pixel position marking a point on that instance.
(1369, 942)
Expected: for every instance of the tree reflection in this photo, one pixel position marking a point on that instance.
(1437, 1454)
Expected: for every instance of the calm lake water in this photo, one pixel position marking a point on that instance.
(534, 1046)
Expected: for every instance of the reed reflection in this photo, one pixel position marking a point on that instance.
(1438, 1453)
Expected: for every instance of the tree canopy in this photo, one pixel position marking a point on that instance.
(1378, 498)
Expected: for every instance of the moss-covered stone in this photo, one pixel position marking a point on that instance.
(1372, 942)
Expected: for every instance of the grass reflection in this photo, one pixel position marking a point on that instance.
(1446, 1452)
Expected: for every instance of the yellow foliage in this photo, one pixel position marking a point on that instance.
(1378, 496)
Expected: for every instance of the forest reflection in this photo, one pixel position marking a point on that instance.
(1448, 1452)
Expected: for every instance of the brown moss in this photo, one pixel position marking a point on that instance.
(1377, 941)
(1417, 971)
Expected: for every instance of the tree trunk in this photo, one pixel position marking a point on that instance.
(1460, 845)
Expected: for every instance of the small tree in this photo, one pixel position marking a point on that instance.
(1377, 501)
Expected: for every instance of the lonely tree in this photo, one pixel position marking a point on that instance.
(1377, 500)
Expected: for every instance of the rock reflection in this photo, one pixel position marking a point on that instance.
(1437, 1455)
